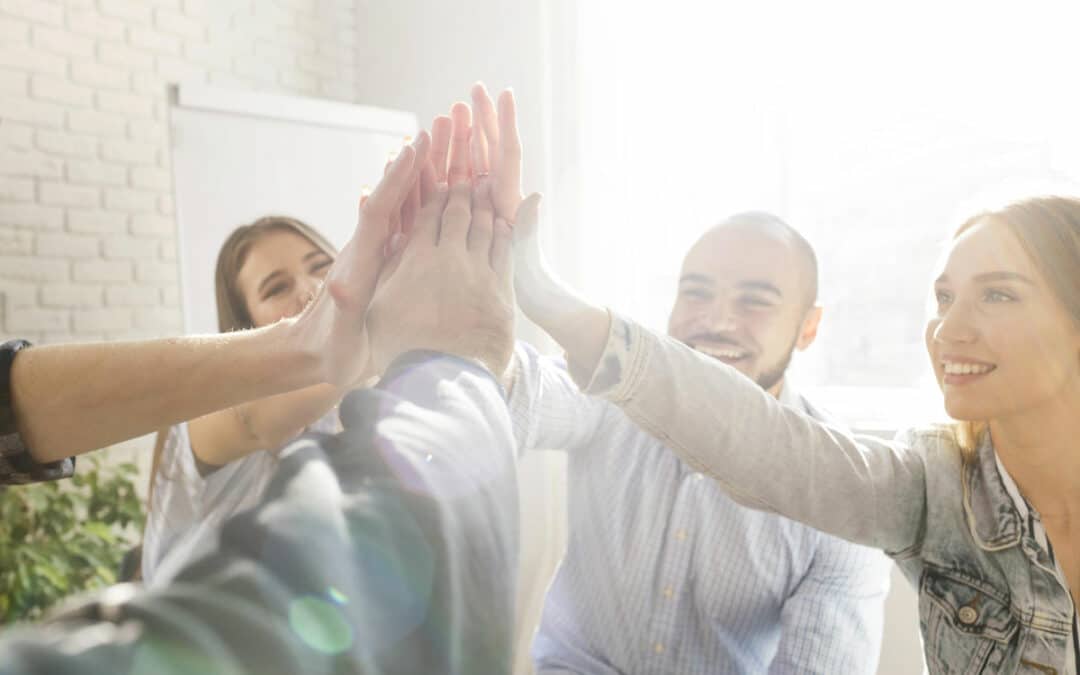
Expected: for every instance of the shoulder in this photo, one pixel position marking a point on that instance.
(935, 441)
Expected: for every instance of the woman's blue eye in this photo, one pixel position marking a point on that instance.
(998, 296)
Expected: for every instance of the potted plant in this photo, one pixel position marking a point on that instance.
(65, 537)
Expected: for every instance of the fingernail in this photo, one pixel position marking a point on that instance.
(365, 191)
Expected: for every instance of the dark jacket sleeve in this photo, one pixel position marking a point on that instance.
(390, 548)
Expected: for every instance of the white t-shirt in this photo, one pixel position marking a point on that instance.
(188, 509)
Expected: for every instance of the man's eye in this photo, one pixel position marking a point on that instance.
(321, 266)
(942, 297)
(695, 293)
(755, 302)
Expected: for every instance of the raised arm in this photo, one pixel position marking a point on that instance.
(69, 399)
(764, 454)
(860, 489)
(264, 424)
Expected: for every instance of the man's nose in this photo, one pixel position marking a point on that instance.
(721, 317)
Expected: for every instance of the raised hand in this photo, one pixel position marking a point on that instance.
(578, 326)
(451, 288)
(497, 148)
(332, 327)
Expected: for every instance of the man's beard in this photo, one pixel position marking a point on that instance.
(771, 376)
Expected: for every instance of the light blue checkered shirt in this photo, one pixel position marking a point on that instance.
(666, 574)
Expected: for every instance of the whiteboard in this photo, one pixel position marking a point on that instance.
(240, 155)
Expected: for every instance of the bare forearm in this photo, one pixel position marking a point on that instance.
(227, 435)
(581, 331)
(69, 399)
(580, 327)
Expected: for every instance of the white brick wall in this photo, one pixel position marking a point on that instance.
(87, 236)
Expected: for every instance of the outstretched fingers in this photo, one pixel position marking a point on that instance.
(457, 216)
(483, 220)
(459, 160)
(351, 280)
(442, 128)
(486, 120)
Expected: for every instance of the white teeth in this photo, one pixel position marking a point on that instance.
(723, 353)
(956, 368)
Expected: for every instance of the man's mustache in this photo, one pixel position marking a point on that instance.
(716, 340)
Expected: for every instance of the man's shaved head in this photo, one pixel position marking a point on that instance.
(770, 225)
(747, 296)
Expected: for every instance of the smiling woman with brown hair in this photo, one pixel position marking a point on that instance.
(211, 467)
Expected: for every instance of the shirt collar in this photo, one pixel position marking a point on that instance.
(1010, 486)
(789, 396)
(994, 516)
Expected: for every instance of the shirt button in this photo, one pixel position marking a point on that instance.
(658, 648)
(680, 535)
(669, 592)
(967, 615)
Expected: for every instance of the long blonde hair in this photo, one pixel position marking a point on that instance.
(1048, 229)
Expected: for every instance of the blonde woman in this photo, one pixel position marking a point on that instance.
(216, 465)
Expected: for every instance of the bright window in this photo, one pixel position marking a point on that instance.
(874, 130)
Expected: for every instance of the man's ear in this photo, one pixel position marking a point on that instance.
(808, 330)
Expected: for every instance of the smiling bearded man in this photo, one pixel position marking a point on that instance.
(747, 296)
(663, 572)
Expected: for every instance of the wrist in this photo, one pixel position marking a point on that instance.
(297, 360)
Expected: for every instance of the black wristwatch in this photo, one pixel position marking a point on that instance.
(8, 350)
(17, 465)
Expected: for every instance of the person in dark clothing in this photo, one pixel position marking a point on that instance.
(390, 548)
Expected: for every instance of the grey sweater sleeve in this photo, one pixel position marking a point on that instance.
(765, 455)
(389, 548)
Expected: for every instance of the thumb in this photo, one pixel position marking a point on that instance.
(527, 218)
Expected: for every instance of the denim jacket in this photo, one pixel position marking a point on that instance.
(991, 599)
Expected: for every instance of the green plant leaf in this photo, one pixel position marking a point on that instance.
(65, 537)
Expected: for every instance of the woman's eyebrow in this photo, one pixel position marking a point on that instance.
(1004, 276)
(999, 275)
